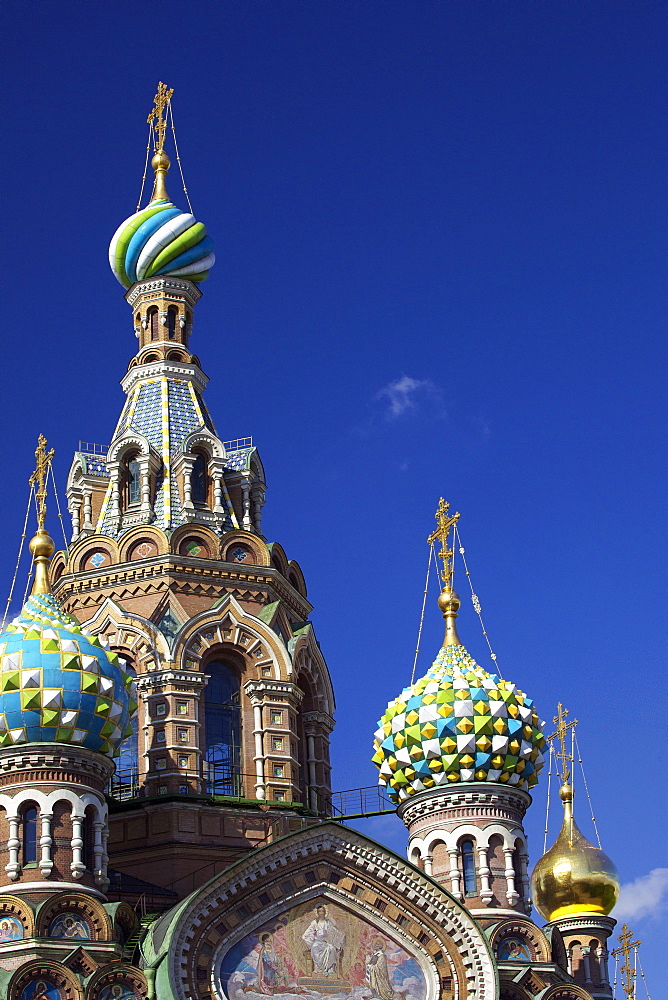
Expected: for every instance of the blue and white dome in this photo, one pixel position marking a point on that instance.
(59, 685)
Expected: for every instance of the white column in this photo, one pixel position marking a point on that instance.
(246, 519)
(77, 867)
(511, 893)
(98, 851)
(88, 511)
(145, 473)
(115, 474)
(429, 864)
(218, 494)
(484, 872)
(45, 842)
(187, 485)
(454, 874)
(74, 514)
(13, 867)
(259, 750)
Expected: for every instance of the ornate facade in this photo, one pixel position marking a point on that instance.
(165, 716)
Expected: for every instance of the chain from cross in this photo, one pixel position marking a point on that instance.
(444, 523)
(157, 118)
(627, 970)
(562, 754)
(38, 478)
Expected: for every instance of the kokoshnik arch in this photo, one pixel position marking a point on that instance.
(165, 716)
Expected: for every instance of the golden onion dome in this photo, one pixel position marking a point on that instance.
(573, 877)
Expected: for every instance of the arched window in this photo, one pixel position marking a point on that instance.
(222, 722)
(133, 481)
(29, 835)
(125, 779)
(468, 866)
(198, 479)
(171, 322)
(152, 318)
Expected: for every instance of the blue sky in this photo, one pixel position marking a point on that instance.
(439, 229)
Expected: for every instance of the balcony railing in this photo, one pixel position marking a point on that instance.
(360, 802)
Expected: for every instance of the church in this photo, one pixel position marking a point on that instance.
(166, 819)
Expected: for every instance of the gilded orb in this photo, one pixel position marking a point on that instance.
(161, 160)
(573, 877)
(448, 601)
(42, 544)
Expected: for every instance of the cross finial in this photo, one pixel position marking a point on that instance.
(563, 755)
(157, 117)
(38, 478)
(628, 971)
(444, 522)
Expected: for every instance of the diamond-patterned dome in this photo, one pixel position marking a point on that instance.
(458, 723)
(58, 684)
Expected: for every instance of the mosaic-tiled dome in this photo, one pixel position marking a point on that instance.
(161, 240)
(458, 723)
(58, 684)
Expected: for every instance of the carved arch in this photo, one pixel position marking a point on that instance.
(130, 441)
(14, 906)
(89, 908)
(261, 556)
(527, 932)
(65, 980)
(124, 974)
(133, 535)
(208, 442)
(210, 538)
(111, 615)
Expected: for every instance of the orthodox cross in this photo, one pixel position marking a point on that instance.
(38, 478)
(563, 755)
(157, 117)
(444, 522)
(627, 970)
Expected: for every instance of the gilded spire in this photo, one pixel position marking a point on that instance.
(448, 600)
(158, 120)
(41, 545)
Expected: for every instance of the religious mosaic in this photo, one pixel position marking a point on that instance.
(513, 949)
(69, 925)
(41, 989)
(318, 950)
(11, 929)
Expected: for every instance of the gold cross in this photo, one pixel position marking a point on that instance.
(38, 478)
(625, 949)
(444, 522)
(160, 102)
(564, 756)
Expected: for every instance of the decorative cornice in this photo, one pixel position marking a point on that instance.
(162, 678)
(481, 793)
(584, 921)
(186, 290)
(171, 369)
(30, 757)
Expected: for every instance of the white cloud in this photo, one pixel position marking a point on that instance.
(405, 393)
(645, 897)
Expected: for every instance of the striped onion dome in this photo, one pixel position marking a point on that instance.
(58, 684)
(161, 240)
(458, 723)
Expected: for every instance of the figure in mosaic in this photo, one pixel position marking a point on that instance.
(69, 925)
(11, 929)
(378, 975)
(325, 942)
(41, 990)
(270, 970)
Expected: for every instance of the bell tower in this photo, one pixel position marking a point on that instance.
(169, 563)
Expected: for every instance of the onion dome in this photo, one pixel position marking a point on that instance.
(458, 723)
(161, 240)
(573, 878)
(57, 683)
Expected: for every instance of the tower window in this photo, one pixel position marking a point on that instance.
(468, 866)
(30, 835)
(152, 319)
(198, 479)
(171, 322)
(222, 706)
(133, 477)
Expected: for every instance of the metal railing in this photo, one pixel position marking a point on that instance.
(238, 443)
(89, 448)
(360, 802)
(217, 780)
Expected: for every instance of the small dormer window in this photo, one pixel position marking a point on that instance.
(152, 322)
(468, 867)
(198, 479)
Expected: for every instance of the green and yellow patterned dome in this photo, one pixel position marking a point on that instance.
(458, 723)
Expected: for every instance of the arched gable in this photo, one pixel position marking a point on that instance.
(378, 893)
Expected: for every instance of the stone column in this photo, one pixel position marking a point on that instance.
(484, 872)
(45, 842)
(218, 493)
(77, 866)
(13, 868)
(587, 964)
(257, 497)
(145, 472)
(98, 851)
(88, 510)
(511, 893)
(454, 873)
(428, 864)
(258, 734)
(246, 518)
(74, 509)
